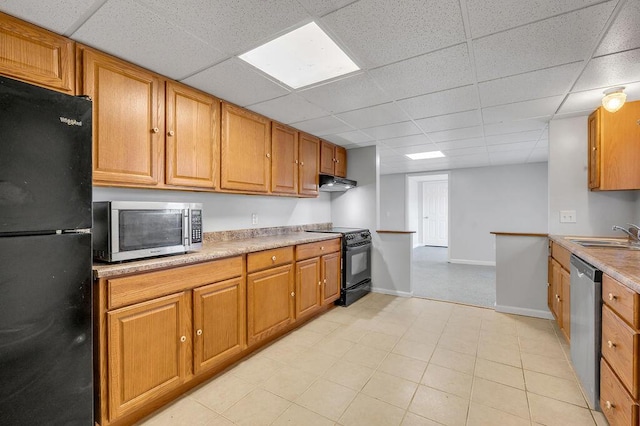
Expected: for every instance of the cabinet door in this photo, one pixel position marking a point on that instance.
(284, 159)
(37, 56)
(192, 137)
(308, 286)
(341, 161)
(556, 292)
(594, 149)
(128, 121)
(148, 345)
(308, 155)
(327, 160)
(270, 302)
(620, 154)
(245, 150)
(331, 275)
(566, 303)
(218, 321)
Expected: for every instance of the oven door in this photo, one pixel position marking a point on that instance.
(357, 264)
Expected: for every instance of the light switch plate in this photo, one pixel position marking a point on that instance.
(254, 218)
(567, 216)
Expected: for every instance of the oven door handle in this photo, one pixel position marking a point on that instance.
(363, 247)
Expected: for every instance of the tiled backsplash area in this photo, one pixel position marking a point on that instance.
(241, 234)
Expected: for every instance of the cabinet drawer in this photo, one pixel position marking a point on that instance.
(615, 402)
(137, 288)
(269, 258)
(307, 251)
(562, 255)
(620, 349)
(621, 299)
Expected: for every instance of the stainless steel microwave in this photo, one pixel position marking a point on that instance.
(126, 230)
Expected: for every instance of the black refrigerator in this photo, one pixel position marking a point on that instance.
(46, 349)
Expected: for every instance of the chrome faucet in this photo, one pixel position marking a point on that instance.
(632, 236)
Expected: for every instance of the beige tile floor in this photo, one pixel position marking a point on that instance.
(397, 361)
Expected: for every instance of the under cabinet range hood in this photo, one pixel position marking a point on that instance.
(335, 184)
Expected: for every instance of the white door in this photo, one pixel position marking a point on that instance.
(435, 207)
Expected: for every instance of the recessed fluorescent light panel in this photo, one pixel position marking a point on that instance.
(302, 57)
(425, 155)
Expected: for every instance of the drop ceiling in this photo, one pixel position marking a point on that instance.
(478, 80)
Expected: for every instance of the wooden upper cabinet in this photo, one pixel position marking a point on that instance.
(36, 56)
(614, 153)
(341, 161)
(284, 159)
(245, 150)
(333, 159)
(308, 164)
(192, 137)
(128, 120)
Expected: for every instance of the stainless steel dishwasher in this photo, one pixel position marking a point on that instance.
(586, 327)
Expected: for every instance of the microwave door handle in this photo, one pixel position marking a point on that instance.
(185, 228)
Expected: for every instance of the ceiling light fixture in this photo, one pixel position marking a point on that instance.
(614, 99)
(425, 155)
(301, 57)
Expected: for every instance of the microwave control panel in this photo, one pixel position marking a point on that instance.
(196, 226)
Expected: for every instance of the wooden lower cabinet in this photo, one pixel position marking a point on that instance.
(148, 351)
(331, 274)
(308, 287)
(559, 287)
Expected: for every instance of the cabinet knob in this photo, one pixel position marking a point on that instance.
(609, 405)
(337, 161)
(296, 161)
(293, 294)
(171, 133)
(199, 332)
(268, 155)
(183, 339)
(155, 130)
(611, 344)
(612, 297)
(273, 258)
(302, 163)
(319, 283)
(595, 148)
(325, 280)
(321, 247)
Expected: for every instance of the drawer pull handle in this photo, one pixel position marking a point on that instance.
(183, 339)
(273, 258)
(199, 332)
(611, 344)
(321, 247)
(612, 297)
(293, 294)
(609, 405)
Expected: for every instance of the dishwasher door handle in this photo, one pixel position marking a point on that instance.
(580, 274)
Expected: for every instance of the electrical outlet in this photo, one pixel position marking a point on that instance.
(567, 216)
(254, 218)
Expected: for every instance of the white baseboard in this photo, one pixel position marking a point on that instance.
(537, 313)
(473, 262)
(391, 292)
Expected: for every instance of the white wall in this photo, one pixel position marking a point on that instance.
(233, 211)
(596, 212)
(503, 198)
(392, 202)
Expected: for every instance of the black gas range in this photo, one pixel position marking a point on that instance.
(356, 263)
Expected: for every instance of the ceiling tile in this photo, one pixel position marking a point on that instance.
(322, 126)
(555, 41)
(407, 141)
(126, 29)
(428, 73)
(510, 138)
(515, 126)
(379, 32)
(288, 109)
(353, 92)
(462, 143)
(413, 149)
(55, 15)
(454, 134)
(356, 137)
(451, 121)
(591, 99)
(530, 85)
(465, 151)
(486, 17)
(512, 146)
(522, 110)
(322, 7)
(440, 103)
(509, 157)
(236, 82)
(611, 70)
(234, 27)
(623, 33)
(374, 116)
(406, 128)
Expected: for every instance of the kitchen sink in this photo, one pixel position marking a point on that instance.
(622, 243)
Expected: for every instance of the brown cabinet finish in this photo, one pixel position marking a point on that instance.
(620, 349)
(559, 287)
(270, 302)
(35, 55)
(192, 137)
(269, 258)
(245, 150)
(565, 283)
(331, 276)
(148, 345)
(341, 161)
(624, 301)
(308, 165)
(284, 159)
(306, 251)
(615, 402)
(218, 323)
(333, 159)
(128, 120)
(613, 148)
(308, 287)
